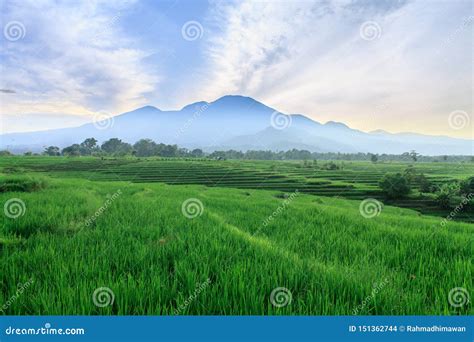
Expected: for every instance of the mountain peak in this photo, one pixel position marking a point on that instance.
(235, 99)
(195, 105)
(379, 131)
(146, 108)
(336, 124)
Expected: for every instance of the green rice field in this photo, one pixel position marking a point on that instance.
(130, 236)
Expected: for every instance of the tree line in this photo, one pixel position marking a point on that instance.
(149, 148)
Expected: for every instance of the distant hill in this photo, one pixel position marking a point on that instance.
(237, 122)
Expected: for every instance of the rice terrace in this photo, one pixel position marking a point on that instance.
(170, 236)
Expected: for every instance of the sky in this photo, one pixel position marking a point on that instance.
(399, 66)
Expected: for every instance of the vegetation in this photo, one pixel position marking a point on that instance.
(149, 148)
(152, 257)
(395, 185)
(352, 180)
(22, 184)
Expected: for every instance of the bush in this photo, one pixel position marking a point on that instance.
(395, 185)
(447, 195)
(330, 166)
(467, 186)
(22, 184)
(425, 184)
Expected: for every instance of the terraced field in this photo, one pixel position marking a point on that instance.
(84, 247)
(354, 180)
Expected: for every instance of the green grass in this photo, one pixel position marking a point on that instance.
(153, 257)
(356, 180)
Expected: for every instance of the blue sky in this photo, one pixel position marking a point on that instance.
(392, 65)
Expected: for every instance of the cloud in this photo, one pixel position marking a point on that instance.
(7, 91)
(74, 58)
(311, 58)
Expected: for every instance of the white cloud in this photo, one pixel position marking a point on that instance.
(74, 58)
(308, 57)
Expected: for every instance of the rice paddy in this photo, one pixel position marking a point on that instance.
(197, 237)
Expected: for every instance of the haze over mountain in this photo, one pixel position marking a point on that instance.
(237, 122)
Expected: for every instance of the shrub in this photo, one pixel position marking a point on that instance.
(21, 184)
(467, 186)
(425, 184)
(330, 166)
(447, 194)
(395, 185)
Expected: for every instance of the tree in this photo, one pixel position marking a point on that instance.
(414, 155)
(5, 153)
(116, 146)
(410, 174)
(168, 150)
(52, 151)
(425, 184)
(373, 158)
(89, 143)
(145, 148)
(447, 194)
(395, 185)
(197, 152)
(88, 146)
(467, 186)
(72, 151)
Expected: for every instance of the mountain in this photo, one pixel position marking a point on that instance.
(236, 122)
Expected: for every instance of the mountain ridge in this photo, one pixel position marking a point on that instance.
(236, 121)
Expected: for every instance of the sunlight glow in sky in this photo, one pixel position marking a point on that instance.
(391, 65)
